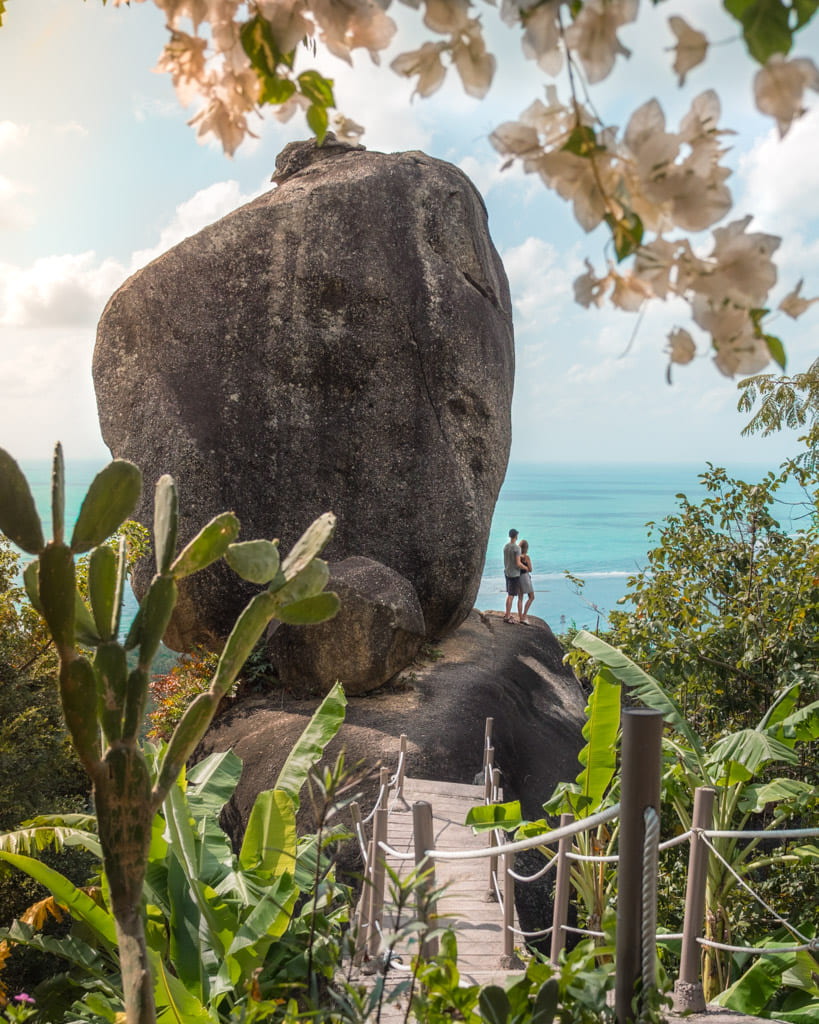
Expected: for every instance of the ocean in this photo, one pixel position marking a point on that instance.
(590, 520)
(584, 518)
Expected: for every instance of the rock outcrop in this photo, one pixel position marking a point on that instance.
(343, 342)
(378, 631)
(485, 668)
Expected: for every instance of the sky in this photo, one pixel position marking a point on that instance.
(99, 174)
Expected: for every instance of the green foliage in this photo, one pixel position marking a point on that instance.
(726, 611)
(784, 986)
(575, 992)
(171, 692)
(785, 402)
(214, 919)
(740, 768)
(102, 702)
(308, 748)
(768, 26)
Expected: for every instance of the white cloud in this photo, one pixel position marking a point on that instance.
(145, 108)
(72, 128)
(72, 289)
(780, 176)
(540, 280)
(14, 215)
(487, 176)
(57, 291)
(47, 392)
(203, 208)
(12, 134)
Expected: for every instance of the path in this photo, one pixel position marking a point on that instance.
(477, 919)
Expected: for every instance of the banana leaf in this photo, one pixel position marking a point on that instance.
(269, 842)
(738, 756)
(599, 756)
(53, 831)
(644, 686)
(309, 747)
(80, 904)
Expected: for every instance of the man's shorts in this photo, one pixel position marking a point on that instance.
(513, 586)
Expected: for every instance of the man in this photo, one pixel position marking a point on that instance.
(512, 566)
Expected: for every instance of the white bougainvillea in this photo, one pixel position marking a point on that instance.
(651, 185)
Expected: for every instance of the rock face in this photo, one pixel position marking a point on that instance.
(377, 632)
(343, 342)
(485, 668)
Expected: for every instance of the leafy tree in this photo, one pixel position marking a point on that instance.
(785, 402)
(644, 184)
(742, 768)
(726, 611)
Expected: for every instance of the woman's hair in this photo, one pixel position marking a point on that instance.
(524, 546)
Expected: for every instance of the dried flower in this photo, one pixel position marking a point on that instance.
(593, 35)
(681, 347)
(690, 49)
(424, 62)
(473, 63)
(779, 86)
(794, 305)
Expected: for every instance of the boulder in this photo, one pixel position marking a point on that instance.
(513, 673)
(343, 342)
(377, 632)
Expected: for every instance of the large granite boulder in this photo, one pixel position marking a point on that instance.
(342, 343)
(377, 632)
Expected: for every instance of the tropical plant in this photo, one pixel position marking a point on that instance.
(739, 768)
(726, 611)
(785, 402)
(103, 701)
(221, 928)
(573, 992)
(784, 987)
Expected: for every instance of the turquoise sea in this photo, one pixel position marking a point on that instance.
(591, 520)
(588, 519)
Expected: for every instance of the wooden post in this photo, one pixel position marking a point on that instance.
(402, 766)
(358, 822)
(424, 840)
(488, 775)
(639, 788)
(487, 737)
(560, 910)
(379, 872)
(688, 993)
(488, 768)
(362, 939)
(508, 908)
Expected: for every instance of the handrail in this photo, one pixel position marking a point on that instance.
(546, 839)
(782, 833)
(698, 836)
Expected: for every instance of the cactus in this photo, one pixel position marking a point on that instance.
(103, 703)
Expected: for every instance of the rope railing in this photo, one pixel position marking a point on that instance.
(538, 874)
(642, 863)
(811, 943)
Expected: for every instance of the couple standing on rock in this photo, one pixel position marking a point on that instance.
(517, 567)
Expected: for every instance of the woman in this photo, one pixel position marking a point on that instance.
(526, 580)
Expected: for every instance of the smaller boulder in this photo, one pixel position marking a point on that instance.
(377, 632)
